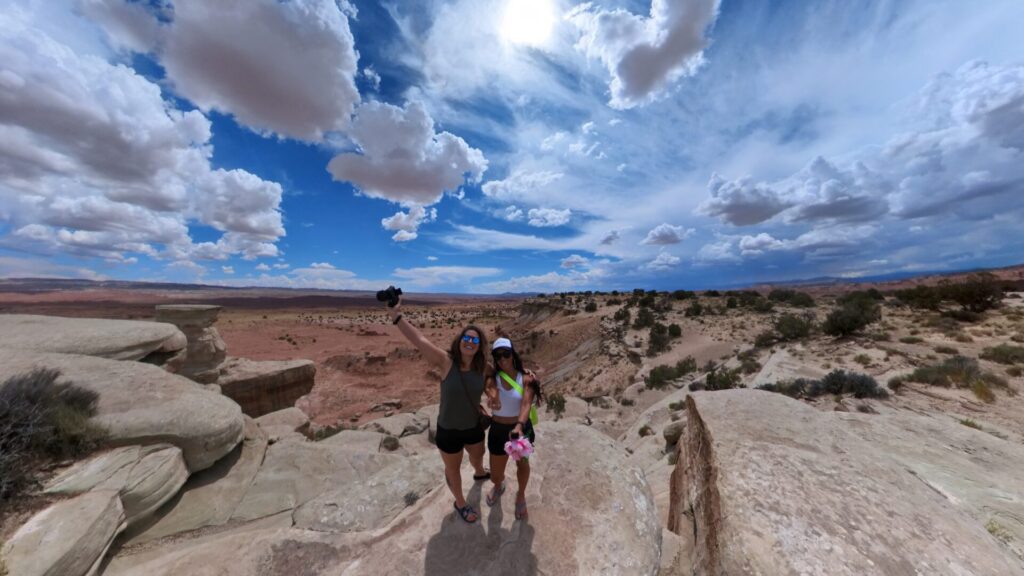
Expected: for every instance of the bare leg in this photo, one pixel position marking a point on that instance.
(476, 457)
(452, 465)
(498, 464)
(523, 476)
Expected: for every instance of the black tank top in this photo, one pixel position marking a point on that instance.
(456, 411)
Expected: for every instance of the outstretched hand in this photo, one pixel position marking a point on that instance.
(394, 311)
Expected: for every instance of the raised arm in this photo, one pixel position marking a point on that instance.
(430, 351)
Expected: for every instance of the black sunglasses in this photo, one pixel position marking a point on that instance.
(503, 353)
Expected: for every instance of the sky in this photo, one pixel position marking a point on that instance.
(493, 146)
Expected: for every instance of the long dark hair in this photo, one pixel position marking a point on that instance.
(517, 363)
(479, 363)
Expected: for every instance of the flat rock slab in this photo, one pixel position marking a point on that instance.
(191, 315)
(356, 440)
(293, 473)
(268, 386)
(144, 476)
(600, 522)
(113, 339)
(68, 538)
(140, 404)
(773, 486)
(292, 417)
(210, 497)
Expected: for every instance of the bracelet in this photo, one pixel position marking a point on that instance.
(396, 320)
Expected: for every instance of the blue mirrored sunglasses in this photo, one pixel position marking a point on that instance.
(473, 339)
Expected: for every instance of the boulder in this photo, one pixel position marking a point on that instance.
(140, 404)
(67, 539)
(600, 522)
(673, 431)
(770, 485)
(292, 417)
(144, 476)
(293, 473)
(210, 497)
(264, 387)
(431, 413)
(374, 501)
(206, 349)
(113, 339)
(399, 425)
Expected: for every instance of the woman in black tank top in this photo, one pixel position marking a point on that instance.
(464, 366)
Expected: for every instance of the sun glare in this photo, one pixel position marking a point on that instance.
(528, 22)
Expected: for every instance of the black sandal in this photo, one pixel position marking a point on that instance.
(485, 476)
(465, 511)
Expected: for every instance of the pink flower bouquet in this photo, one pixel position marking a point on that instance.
(519, 448)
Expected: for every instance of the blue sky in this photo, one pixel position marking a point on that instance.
(508, 145)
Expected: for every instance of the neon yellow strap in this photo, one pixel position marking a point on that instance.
(511, 382)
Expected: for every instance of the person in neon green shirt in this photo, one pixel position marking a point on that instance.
(518, 390)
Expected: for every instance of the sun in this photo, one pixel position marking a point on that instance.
(528, 22)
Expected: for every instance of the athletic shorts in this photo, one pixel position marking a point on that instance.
(498, 433)
(453, 441)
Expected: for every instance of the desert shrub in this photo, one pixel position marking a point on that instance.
(763, 306)
(694, 309)
(962, 315)
(792, 297)
(622, 315)
(721, 379)
(792, 327)
(661, 375)
(683, 295)
(41, 419)
(924, 297)
(556, 403)
(895, 383)
(627, 402)
(674, 330)
(862, 359)
(590, 307)
(765, 339)
(644, 318)
(959, 372)
(852, 316)
(646, 301)
(731, 302)
(911, 339)
(613, 302)
(835, 382)
(1004, 354)
(749, 364)
(978, 293)
(645, 430)
(1014, 371)
(658, 339)
(677, 405)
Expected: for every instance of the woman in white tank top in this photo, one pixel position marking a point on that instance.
(512, 417)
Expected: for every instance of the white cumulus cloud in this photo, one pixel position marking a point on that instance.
(547, 217)
(665, 234)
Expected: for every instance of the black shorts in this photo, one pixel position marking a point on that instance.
(498, 433)
(453, 441)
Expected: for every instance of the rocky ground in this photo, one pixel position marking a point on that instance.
(634, 476)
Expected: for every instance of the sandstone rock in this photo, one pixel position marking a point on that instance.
(140, 404)
(777, 487)
(210, 497)
(68, 538)
(673, 431)
(294, 473)
(293, 418)
(144, 476)
(356, 440)
(373, 502)
(602, 522)
(431, 413)
(389, 444)
(781, 365)
(283, 433)
(418, 444)
(398, 425)
(264, 387)
(206, 349)
(386, 405)
(634, 391)
(113, 339)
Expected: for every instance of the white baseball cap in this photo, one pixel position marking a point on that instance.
(501, 343)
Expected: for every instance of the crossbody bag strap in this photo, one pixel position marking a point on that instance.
(519, 389)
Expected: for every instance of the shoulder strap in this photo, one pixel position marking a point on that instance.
(511, 382)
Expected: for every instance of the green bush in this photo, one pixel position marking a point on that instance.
(622, 315)
(792, 297)
(959, 372)
(911, 339)
(765, 339)
(836, 382)
(661, 375)
(694, 309)
(42, 420)
(1004, 354)
(674, 330)
(924, 297)
(946, 350)
(658, 339)
(712, 293)
(590, 307)
(721, 379)
(556, 404)
(792, 327)
(852, 316)
(645, 430)
(683, 295)
(763, 306)
(644, 318)
(731, 302)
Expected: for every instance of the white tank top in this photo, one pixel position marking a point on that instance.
(511, 401)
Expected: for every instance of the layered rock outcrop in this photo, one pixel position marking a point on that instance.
(113, 339)
(267, 386)
(206, 349)
(769, 485)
